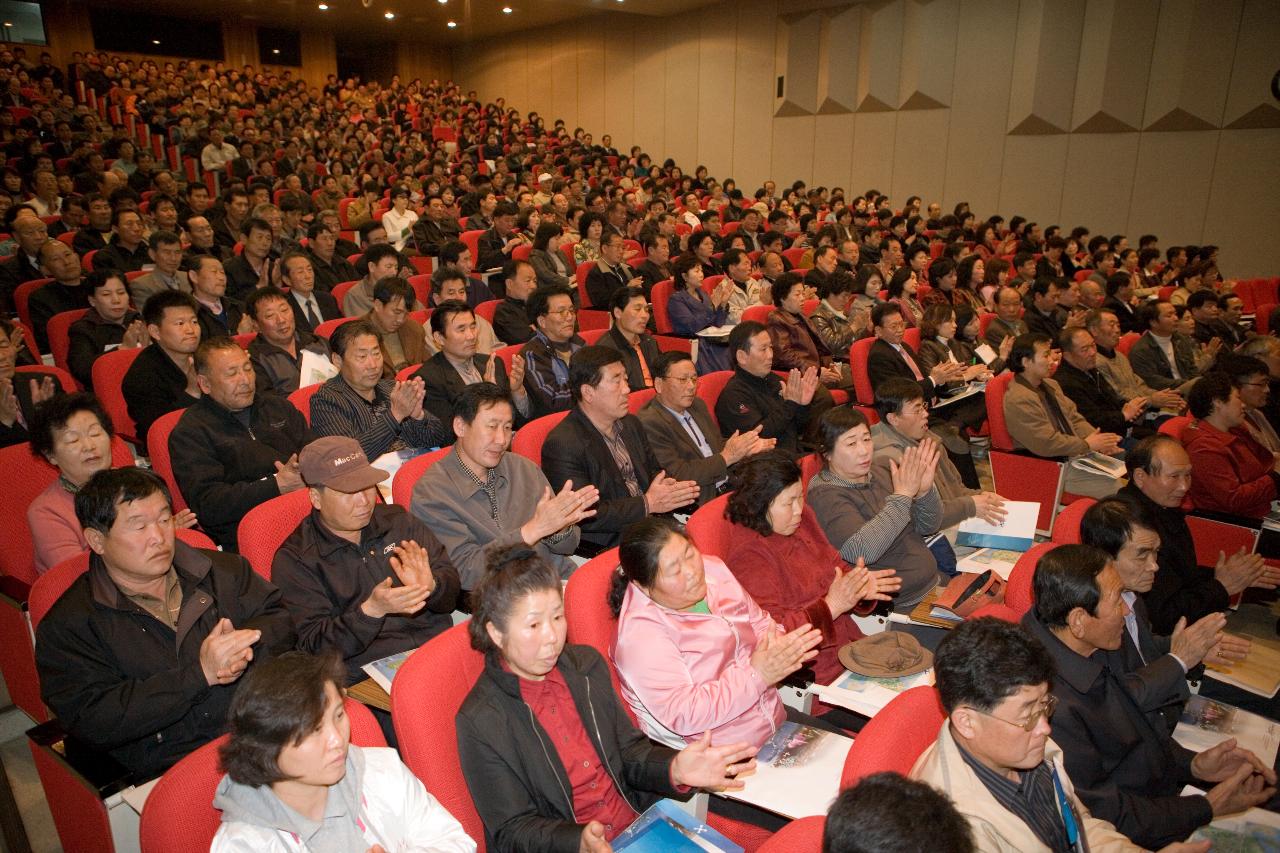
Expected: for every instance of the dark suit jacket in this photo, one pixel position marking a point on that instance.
(445, 386)
(1149, 362)
(1153, 677)
(511, 322)
(576, 451)
(13, 272)
(1124, 769)
(1124, 313)
(601, 284)
(884, 362)
(17, 433)
(676, 451)
(635, 376)
(329, 310)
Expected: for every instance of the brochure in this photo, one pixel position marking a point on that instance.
(315, 369)
(1016, 533)
(865, 694)
(1096, 463)
(1205, 723)
(985, 352)
(667, 828)
(1258, 673)
(384, 670)
(999, 560)
(963, 394)
(797, 771)
(715, 332)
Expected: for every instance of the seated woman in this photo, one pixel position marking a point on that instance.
(878, 512)
(692, 309)
(967, 338)
(108, 324)
(783, 560)
(548, 261)
(796, 344)
(1230, 470)
(542, 775)
(294, 781)
(587, 249)
(73, 432)
(902, 292)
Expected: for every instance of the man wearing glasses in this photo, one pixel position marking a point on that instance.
(1127, 768)
(546, 355)
(993, 756)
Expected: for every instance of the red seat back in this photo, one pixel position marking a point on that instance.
(529, 438)
(1018, 596)
(22, 297)
(1066, 526)
(421, 285)
(301, 399)
(179, 816)
(265, 527)
(710, 530)
(639, 399)
(426, 696)
(472, 241)
(911, 337)
(410, 472)
(488, 309)
(709, 387)
(996, 387)
(326, 328)
(590, 620)
(859, 352)
(108, 372)
(158, 447)
(660, 296)
(798, 836)
(1126, 342)
(580, 275)
(508, 354)
(896, 736)
(793, 256)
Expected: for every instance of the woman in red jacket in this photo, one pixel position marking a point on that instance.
(1230, 470)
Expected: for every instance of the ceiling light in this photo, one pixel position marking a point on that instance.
(506, 10)
(390, 16)
(275, 50)
(153, 41)
(452, 24)
(323, 7)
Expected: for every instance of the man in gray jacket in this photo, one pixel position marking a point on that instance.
(280, 347)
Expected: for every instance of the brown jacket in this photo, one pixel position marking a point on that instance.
(413, 340)
(1031, 426)
(795, 342)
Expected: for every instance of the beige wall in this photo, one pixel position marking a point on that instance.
(1123, 115)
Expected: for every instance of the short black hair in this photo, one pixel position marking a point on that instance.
(348, 332)
(97, 500)
(277, 703)
(261, 295)
(662, 365)
(586, 367)
(389, 288)
(477, 396)
(445, 311)
(539, 302)
(1065, 578)
(754, 483)
(217, 343)
(740, 337)
(374, 254)
(53, 414)
(981, 662)
(254, 223)
(1201, 298)
(1110, 523)
(881, 310)
(638, 552)
(1024, 349)
(451, 250)
(894, 393)
(153, 310)
(622, 296)
(99, 278)
(882, 814)
(1213, 387)
(836, 422)
(1238, 368)
(167, 238)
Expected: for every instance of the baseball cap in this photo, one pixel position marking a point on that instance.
(337, 462)
(545, 176)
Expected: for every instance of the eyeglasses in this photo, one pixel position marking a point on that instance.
(682, 380)
(1044, 709)
(563, 312)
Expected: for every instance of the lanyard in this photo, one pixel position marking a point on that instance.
(1068, 813)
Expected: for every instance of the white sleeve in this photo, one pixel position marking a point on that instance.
(423, 823)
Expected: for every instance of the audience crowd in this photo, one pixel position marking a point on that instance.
(272, 288)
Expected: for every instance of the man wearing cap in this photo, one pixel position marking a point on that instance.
(543, 195)
(359, 576)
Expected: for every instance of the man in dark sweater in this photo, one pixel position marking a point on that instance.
(1084, 384)
(756, 397)
(511, 317)
(234, 449)
(65, 293)
(127, 251)
(163, 377)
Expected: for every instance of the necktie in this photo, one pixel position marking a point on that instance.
(911, 362)
(313, 317)
(696, 435)
(644, 365)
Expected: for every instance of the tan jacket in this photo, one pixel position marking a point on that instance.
(1032, 429)
(995, 828)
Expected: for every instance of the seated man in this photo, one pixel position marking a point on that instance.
(1096, 400)
(756, 397)
(601, 444)
(629, 336)
(20, 393)
(1125, 769)
(163, 376)
(139, 657)
(610, 272)
(1203, 305)
(546, 355)
(511, 317)
(1163, 357)
(358, 576)
(402, 338)
(253, 267)
(1252, 378)
(378, 262)
(311, 305)
(329, 264)
(1043, 315)
(993, 756)
(233, 449)
(278, 350)
(880, 814)
(127, 251)
(219, 315)
(1231, 471)
(384, 415)
(448, 285)
(1044, 421)
(497, 243)
(166, 252)
(66, 292)
(457, 365)
(436, 228)
(456, 255)
(890, 356)
(1008, 320)
(481, 496)
(1114, 365)
(683, 436)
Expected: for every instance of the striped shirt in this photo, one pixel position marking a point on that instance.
(337, 409)
(1031, 798)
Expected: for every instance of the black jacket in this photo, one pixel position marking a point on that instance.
(89, 240)
(241, 279)
(324, 579)
(154, 386)
(89, 338)
(1154, 679)
(517, 780)
(1125, 770)
(13, 272)
(338, 270)
(1098, 402)
(17, 433)
(429, 235)
(1051, 324)
(123, 682)
(748, 401)
(116, 257)
(329, 309)
(613, 339)
(225, 468)
(511, 322)
(884, 362)
(1124, 312)
(53, 298)
(1181, 588)
(489, 248)
(576, 451)
(601, 284)
(445, 386)
(212, 327)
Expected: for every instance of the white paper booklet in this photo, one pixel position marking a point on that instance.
(384, 670)
(315, 369)
(797, 771)
(1016, 533)
(865, 694)
(1206, 723)
(1096, 463)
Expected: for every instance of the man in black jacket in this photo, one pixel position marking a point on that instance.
(311, 305)
(458, 364)
(362, 578)
(234, 449)
(601, 444)
(757, 397)
(24, 266)
(609, 273)
(511, 317)
(139, 657)
(127, 251)
(630, 310)
(67, 291)
(163, 377)
(20, 393)
(1084, 384)
(497, 243)
(1125, 770)
(889, 357)
(328, 265)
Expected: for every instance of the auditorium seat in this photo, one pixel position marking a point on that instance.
(265, 527)
(410, 472)
(529, 438)
(895, 737)
(108, 372)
